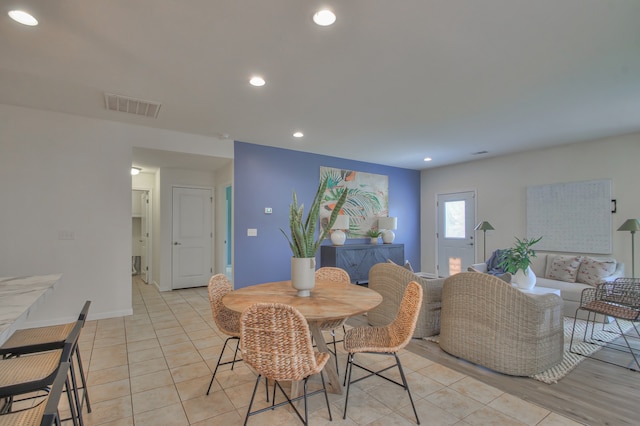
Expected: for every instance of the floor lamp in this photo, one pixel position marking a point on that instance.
(484, 226)
(632, 225)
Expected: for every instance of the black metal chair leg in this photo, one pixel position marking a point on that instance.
(253, 395)
(406, 386)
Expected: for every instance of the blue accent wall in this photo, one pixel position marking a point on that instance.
(266, 177)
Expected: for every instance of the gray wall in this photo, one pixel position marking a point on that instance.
(501, 184)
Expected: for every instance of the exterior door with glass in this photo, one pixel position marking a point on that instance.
(456, 243)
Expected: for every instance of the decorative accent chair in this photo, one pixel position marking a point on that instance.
(492, 323)
(329, 273)
(390, 281)
(386, 340)
(276, 342)
(618, 300)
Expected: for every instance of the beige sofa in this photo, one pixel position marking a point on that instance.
(570, 290)
(390, 280)
(491, 323)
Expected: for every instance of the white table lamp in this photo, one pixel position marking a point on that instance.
(338, 237)
(387, 225)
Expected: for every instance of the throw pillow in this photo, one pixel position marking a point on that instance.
(564, 268)
(594, 271)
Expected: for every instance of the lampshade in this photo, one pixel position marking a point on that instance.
(387, 223)
(342, 222)
(630, 225)
(484, 226)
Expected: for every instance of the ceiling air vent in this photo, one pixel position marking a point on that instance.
(131, 105)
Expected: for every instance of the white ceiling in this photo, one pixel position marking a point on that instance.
(389, 82)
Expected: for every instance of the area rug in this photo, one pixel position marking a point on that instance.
(571, 360)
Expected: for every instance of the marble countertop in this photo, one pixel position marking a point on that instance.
(19, 296)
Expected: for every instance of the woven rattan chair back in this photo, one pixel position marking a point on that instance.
(402, 328)
(226, 320)
(329, 273)
(275, 340)
(386, 340)
(337, 275)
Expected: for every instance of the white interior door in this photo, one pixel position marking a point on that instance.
(456, 244)
(192, 254)
(145, 229)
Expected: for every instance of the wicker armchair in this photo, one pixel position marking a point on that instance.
(491, 323)
(227, 321)
(390, 281)
(618, 300)
(276, 343)
(386, 340)
(339, 275)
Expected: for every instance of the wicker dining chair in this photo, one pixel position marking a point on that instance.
(386, 340)
(329, 273)
(276, 343)
(226, 320)
(45, 412)
(618, 300)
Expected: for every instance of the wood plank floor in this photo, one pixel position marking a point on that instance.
(594, 393)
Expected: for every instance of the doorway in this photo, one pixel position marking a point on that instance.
(141, 234)
(456, 220)
(192, 241)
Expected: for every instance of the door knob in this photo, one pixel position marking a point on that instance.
(177, 244)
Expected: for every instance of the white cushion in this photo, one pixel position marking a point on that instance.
(593, 271)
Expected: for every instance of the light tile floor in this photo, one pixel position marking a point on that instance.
(153, 368)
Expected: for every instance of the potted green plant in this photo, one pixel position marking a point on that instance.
(517, 261)
(374, 234)
(302, 239)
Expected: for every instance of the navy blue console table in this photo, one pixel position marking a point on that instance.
(357, 259)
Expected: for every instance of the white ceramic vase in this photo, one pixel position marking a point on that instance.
(525, 281)
(303, 275)
(374, 240)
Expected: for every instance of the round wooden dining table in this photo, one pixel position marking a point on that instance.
(328, 301)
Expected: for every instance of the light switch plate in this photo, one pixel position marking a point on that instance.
(268, 210)
(252, 232)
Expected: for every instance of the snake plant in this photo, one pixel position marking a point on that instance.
(303, 231)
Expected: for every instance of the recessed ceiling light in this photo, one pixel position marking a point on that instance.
(257, 81)
(23, 17)
(298, 134)
(324, 17)
(135, 171)
(427, 159)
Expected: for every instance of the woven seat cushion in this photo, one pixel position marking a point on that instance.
(38, 336)
(30, 417)
(16, 374)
